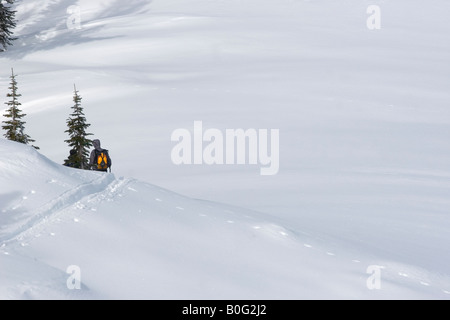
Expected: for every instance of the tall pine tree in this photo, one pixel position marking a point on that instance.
(15, 126)
(7, 24)
(78, 141)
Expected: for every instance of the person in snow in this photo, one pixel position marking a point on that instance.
(100, 159)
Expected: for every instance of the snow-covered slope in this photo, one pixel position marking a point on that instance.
(132, 240)
(364, 124)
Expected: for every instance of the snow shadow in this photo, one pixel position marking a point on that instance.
(5, 200)
(123, 8)
(50, 25)
(8, 215)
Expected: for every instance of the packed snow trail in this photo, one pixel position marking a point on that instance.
(49, 211)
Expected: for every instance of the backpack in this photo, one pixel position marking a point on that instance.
(102, 160)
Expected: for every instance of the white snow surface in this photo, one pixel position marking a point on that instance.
(364, 181)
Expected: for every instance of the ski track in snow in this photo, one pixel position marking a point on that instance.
(107, 188)
(49, 211)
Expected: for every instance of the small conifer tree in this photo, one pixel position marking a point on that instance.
(7, 24)
(15, 126)
(78, 141)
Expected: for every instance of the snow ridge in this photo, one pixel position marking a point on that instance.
(156, 244)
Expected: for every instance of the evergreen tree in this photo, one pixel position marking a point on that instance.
(15, 126)
(7, 24)
(78, 141)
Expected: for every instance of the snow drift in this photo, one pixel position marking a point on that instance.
(134, 240)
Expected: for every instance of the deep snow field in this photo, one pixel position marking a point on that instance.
(361, 198)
